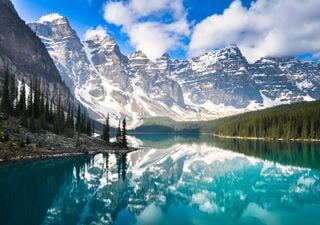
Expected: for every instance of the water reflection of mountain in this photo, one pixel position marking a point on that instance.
(198, 177)
(206, 178)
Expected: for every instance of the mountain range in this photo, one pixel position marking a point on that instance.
(216, 84)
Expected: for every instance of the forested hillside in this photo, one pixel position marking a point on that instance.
(300, 120)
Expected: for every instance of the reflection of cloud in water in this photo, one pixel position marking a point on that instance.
(150, 215)
(202, 201)
(202, 177)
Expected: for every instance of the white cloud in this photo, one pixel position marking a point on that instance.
(267, 28)
(98, 31)
(118, 13)
(142, 21)
(143, 37)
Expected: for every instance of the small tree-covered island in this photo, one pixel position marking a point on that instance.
(141, 112)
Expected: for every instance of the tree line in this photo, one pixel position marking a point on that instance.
(296, 121)
(38, 111)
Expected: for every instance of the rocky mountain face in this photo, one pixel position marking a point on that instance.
(65, 48)
(24, 53)
(216, 84)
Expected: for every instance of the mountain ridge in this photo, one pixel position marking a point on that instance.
(216, 84)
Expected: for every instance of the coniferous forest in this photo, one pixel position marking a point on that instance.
(37, 111)
(296, 121)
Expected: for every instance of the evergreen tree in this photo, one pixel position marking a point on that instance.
(51, 116)
(83, 122)
(106, 131)
(42, 105)
(47, 109)
(118, 135)
(93, 127)
(78, 122)
(12, 92)
(5, 101)
(21, 107)
(36, 99)
(124, 134)
(69, 117)
(88, 127)
(72, 119)
(30, 100)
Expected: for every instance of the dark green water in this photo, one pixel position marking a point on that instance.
(173, 180)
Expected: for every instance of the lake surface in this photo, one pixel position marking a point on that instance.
(180, 180)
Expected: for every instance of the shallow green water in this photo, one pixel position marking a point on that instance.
(173, 180)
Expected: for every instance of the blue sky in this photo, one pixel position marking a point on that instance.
(187, 28)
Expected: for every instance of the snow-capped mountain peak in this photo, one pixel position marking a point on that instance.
(96, 35)
(51, 18)
(165, 56)
(138, 55)
(216, 84)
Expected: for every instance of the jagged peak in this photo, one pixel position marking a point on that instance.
(101, 40)
(51, 18)
(277, 59)
(165, 56)
(137, 54)
(231, 49)
(98, 34)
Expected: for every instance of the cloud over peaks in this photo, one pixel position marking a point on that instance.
(152, 26)
(98, 31)
(267, 28)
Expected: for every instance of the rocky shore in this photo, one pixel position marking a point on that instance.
(21, 144)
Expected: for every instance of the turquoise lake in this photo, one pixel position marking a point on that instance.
(172, 180)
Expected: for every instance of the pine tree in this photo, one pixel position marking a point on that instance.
(124, 143)
(51, 112)
(62, 117)
(36, 99)
(78, 122)
(106, 131)
(21, 107)
(83, 122)
(5, 101)
(71, 119)
(42, 105)
(12, 92)
(47, 110)
(30, 100)
(88, 127)
(118, 135)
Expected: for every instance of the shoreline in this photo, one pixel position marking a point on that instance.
(60, 155)
(266, 138)
(45, 144)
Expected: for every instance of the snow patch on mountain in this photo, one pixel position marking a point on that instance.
(50, 18)
(213, 85)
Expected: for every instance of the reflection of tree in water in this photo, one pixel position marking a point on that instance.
(28, 189)
(121, 159)
(293, 153)
(95, 188)
(106, 160)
